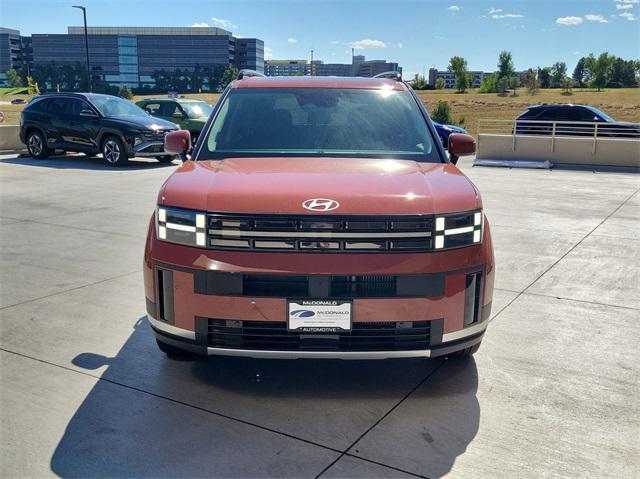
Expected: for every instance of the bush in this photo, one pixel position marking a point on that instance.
(125, 92)
(442, 113)
(489, 84)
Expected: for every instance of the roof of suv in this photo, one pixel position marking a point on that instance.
(320, 82)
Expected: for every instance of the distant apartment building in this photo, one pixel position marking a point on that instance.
(358, 67)
(278, 68)
(131, 55)
(450, 78)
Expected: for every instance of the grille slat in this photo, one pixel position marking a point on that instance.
(311, 233)
(263, 335)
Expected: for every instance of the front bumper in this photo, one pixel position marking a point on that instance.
(148, 148)
(186, 340)
(195, 297)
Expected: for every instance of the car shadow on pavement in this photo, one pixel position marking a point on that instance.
(147, 413)
(81, 162)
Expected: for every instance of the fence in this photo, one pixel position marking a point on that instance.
(560, 142)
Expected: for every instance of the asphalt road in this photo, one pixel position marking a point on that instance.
(553, 391)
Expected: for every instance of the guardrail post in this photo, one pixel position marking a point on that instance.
(595, 139)
(553, 137)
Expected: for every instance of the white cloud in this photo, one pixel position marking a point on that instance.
(591, 17)
(334, 42)
(222, 23)
(399, 45)
(268, 53)
(454, 8)
(495, 10)
(292, 40)
(629, 16)
(623, 6)
(569, 21)
(367, 43)
(200, 25)
(577, 52)
(499, 16)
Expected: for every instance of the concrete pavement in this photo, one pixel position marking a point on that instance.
(85, 392)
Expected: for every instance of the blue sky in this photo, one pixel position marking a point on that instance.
(417, 34)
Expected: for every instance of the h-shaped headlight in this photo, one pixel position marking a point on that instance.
(454, 230)
(177, 225)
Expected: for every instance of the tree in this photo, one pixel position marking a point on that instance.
(544, 77)
(623, 74)
(531, 81)
(230, 74)
(32, 86)
(442, 113)
(419, 82)
(125, 92)
(13, 78)
(458, 66)
(600, 69)
(579, 73)
(503, 86)
(439, 83)
(567, 85)
(505, 65)
(489, 84)
(558, 74)
(514, 84)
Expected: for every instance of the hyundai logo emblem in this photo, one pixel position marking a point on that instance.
(320, 204)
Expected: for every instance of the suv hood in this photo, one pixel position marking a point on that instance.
(280, 185)
(143, 122)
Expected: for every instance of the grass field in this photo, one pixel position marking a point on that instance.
(622, 104)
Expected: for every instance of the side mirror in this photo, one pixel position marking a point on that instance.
(178, 143)
(461, 145)
(88, 113)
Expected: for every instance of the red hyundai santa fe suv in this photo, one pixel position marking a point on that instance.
(318, 218)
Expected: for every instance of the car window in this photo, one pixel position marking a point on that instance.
(114, 106)
(168, 108)
(57, 106)
(582, 114)
(197, 109)
(37, 105)
(325, 122)
(78, 105)
(152, 108)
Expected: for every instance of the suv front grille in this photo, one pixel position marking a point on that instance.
(318, 286)
(320, 233)
(267, 335)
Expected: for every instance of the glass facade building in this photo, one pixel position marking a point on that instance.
(132, 56)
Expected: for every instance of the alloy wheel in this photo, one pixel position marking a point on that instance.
(35, 145)
(111, 151)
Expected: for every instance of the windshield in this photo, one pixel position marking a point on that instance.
(112, 106)
(602, 115)
(197, 109)
(320, 122)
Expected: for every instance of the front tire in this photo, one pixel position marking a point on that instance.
(114, 152)
(37, 145)
(165, 158)
(175, 353)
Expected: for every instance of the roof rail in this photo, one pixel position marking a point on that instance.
(249, 73)
(394, 74)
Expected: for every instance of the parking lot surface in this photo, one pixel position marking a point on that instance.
(553, 391)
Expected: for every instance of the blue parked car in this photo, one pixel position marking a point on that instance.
(444, 131)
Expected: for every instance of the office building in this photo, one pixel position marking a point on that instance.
(450, 78)
(137, 56)
(278, 68)
(358, 67)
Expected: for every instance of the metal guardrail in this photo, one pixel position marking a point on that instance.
(555, 129)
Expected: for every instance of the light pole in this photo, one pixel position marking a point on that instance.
(86, 44)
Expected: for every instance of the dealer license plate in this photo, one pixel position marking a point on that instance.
(319, 316)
